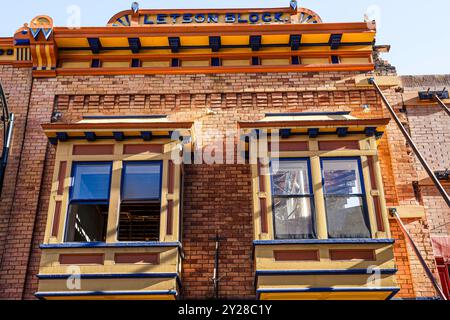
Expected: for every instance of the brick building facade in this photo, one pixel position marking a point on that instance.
(53, 86)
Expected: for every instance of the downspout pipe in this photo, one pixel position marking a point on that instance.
(408, 138)
(429, 273)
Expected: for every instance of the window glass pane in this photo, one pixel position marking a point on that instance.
(141, 181)
(293, 218)
(291, 179)
(87, 223)
(341, 177)
(91, 181)
(346, 217)
(139, 222)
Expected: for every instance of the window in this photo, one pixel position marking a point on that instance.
(293, 200)
(89, 202)
(141, 201)
(345, 199)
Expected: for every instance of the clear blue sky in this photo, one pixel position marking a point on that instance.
(419, 31)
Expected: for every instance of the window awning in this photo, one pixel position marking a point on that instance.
(117, 129)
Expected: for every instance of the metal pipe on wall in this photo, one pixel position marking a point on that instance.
(408, 138)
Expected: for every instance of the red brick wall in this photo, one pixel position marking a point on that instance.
(429, 129)
(404, 277)
(17, 84)
(217, 198)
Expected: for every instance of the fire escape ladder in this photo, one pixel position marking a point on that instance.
(7, 119)
(433, 178)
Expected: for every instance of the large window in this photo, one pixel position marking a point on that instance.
(293, 200)
(89, 202)
(141, 201)
(345, 198)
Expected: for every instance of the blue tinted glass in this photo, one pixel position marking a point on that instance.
(91, 181)
(141, 181)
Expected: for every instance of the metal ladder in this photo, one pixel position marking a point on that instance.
(430, 172)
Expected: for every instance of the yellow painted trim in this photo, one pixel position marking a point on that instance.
(326, 296)
(368, 147)
(315, 61)
(39, 57)
(113, 297)
(72, 42)
(275, 62)
(316, 38)
(369, 199)
(319, 200)
(235, 40)
(195, 63)
(154, 64)
(75, 64)
(47, 54)
(115, 64)
(114, 42)
(380, 187)
(355, 60)
(358, 37)
(235, 62)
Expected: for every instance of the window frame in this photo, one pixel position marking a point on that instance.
(140, 201)
(362, 196)
(84, 201)
(310, 195)
(122, 175)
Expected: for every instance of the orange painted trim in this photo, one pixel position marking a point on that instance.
(296, 255)
(44, 73)
(91, 150)
(223, 30)
(310, 123)
(7, 42)
(23, 64)
(216, 70)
